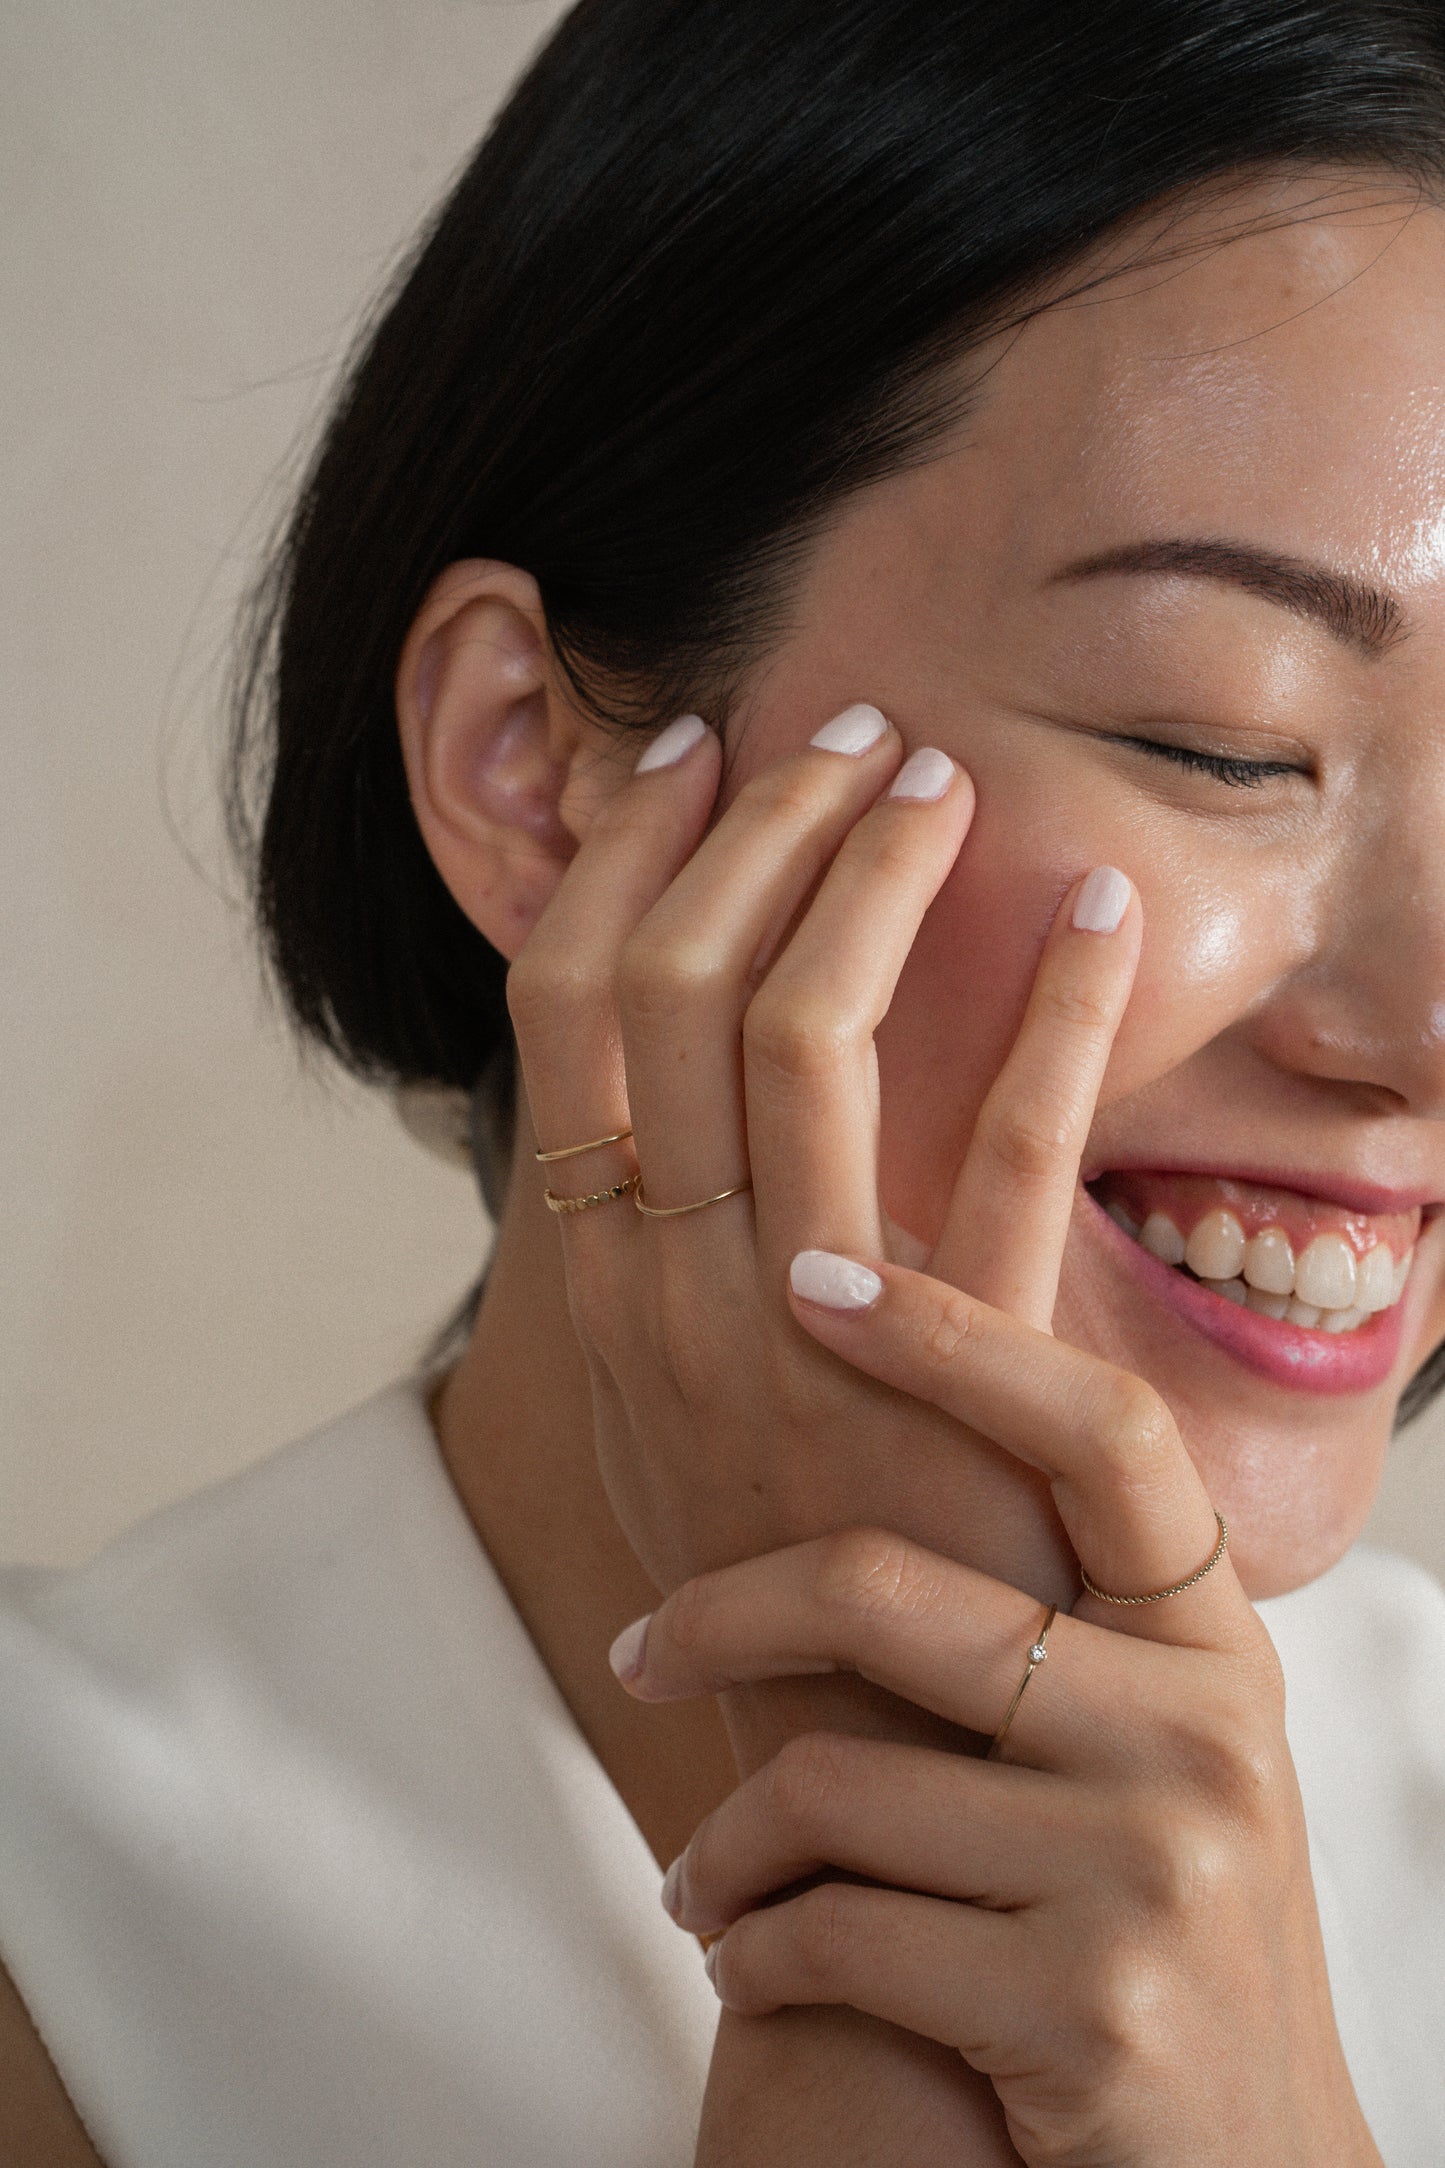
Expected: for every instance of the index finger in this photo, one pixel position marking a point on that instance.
(1128, 1494)
(561, 990)
(1008, 1218)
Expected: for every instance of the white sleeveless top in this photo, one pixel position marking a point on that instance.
(304, 1862)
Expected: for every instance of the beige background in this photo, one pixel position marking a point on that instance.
(204, 1251)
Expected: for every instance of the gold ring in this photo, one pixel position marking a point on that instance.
(675, 1211)
(575, 1151)
(1038, 1654)
(1157, 1595)
(598, 1196)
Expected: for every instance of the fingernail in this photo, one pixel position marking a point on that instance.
(709, 1962)
(925, 774)
(855, 731)
(672, 1888)
(1101, 903)
(837, 1283)
(625, 1654)
(672, 745)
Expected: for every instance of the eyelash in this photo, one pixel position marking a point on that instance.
(1224, 767)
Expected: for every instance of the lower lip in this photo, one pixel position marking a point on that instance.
(1308, 1362)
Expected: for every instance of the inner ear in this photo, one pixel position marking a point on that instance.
(488, 741)
(518, 775)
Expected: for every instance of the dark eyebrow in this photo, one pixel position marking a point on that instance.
(1364, 617)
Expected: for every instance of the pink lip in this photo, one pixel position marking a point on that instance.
(1343, 1190)
(1306, 1362)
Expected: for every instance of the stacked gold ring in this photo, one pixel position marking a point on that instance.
(598, 1196)
(676, 1211)
(575, 1151)
(632, 1187)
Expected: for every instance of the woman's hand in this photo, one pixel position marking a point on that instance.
(1115, 1922)
(718, 992)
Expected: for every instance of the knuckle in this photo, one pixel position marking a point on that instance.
(863, 1573)
(1130, 1426)
(1230, 1760)
(948, 1327)
(793, 1036)
(1124, 2007)
(1182, 1864)
(1078, 1005)
(1029, 1142)
(788, 796)
(547, 986)
(663, 976)
(822, 1927)
(805, 1782)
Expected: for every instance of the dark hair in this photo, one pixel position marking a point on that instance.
(697, 285)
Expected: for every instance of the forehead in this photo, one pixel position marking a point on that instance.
(1287, 385)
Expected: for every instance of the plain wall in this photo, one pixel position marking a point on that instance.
(205, 1252)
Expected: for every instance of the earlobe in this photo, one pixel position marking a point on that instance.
(488, 739)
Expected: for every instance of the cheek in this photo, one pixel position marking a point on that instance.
(1210, 953)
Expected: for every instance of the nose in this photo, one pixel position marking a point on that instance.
(1367, 1009)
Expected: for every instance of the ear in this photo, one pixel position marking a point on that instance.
(491, 742)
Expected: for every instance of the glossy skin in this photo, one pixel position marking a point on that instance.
(1281, 393)
(1288, 1011)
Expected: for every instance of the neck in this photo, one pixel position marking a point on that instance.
(514, 1419)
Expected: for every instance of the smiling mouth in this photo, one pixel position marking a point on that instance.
(1295, 1259)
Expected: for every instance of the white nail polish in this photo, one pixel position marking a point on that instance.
(671, 1887)
(836, 1283)
(925, 774)
(856, 731)
(673, 744)
(709, 1962)
(1101, 903)
(625, 1654)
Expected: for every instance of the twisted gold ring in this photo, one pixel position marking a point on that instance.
(1157, 1595)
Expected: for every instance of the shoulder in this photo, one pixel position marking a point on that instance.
(326, 1537)
(287, 1509)
(333, 1593)
(285, 1786)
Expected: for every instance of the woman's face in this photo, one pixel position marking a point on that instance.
(1201, 510)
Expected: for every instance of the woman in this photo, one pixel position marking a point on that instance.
(889, 558)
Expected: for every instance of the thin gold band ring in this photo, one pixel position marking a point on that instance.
(676, 1211)
(575, 1151)
(1038, 1654)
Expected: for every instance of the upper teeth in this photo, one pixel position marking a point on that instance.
(1328, 1280)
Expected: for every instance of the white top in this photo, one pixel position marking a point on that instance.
(303, 1860)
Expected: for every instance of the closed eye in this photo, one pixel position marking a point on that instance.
(1228, 768)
